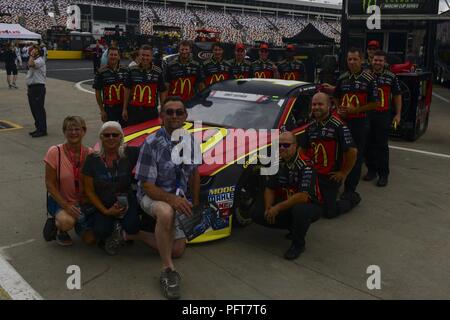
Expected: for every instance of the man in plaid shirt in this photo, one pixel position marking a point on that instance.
(159, 179)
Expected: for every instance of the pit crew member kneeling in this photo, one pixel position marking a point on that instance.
(329, 143)
(291, 197)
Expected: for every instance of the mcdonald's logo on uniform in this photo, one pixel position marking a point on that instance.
(181, 84)
(381, 95)
(117, 89)
(348, 100)
(217, 78)
(142, 90)
(260, 74)
(289, 76)
(319, 148)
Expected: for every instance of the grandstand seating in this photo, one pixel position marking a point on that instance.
(234, 25)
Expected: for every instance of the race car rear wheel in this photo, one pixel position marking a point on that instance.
(250, 186)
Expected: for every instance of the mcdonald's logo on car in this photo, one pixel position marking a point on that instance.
(181, 84)
(319, 148)
(117, 89)
(142, 90)
(348, 100)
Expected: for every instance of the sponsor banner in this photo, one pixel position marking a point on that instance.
(239, 96)
(359, 7)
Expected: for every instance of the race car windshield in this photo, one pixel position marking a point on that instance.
(258, 113)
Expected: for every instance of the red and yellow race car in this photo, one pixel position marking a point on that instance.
(230, 113)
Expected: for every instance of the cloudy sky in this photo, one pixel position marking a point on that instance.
(442, 5)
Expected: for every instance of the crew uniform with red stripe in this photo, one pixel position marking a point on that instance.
(292, 70)
(377, 151)
(356, 90)
(184, 79)
(295, 176)
(111, 84)
(240, 70)
(145, 86)
(325, 142)
(216, 71)
(263, 69)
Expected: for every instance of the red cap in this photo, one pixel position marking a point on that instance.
(263, 46)
(290, 47)
(374, 43)
(240, 46)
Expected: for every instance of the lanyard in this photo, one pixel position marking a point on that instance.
(112, 177)
(76, 166)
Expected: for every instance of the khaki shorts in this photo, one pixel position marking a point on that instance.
(147, 205)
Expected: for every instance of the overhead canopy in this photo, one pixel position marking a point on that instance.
(309, 34)
(16, 31)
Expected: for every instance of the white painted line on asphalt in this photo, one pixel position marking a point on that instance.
(14, 285)
(442, 155)
(2, 249)
(440, 97)
(79, 87)
(72, 69)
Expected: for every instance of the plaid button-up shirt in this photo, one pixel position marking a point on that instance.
(155, 165)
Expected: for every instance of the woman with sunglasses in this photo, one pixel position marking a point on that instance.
(107, 179)
(63, 163)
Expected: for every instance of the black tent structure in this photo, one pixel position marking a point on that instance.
(311, 35)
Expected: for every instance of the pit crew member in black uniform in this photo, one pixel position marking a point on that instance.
(184, 75)
(109, 87)
(377, 151)
(291, 68)
(264, 68)
(144, 88)
(216, 69)
(291, 198)
(356, 93)
(240, 67)
(328, 142)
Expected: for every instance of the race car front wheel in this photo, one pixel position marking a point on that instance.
(250, 186)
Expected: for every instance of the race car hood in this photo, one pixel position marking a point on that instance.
(221, 147)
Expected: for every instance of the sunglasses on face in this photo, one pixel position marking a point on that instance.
(171, 112)
(285, 145)
(109, 135)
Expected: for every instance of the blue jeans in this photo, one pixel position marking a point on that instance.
(104, 225)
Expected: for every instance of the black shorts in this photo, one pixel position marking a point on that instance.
(11, 69)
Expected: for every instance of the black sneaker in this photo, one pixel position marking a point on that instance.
(351, 196)
(354, 197)
(370, 176)
(39, 134)
(170, 284)
(294, 252)
(382, 181)
(49, 232)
